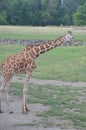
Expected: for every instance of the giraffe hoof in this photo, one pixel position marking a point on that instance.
(11, 112)
(27, 110)
(24, 112)
(1, 111)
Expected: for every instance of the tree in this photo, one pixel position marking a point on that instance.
(38, 12)
(71, 7)
(3, 18)
(3, 14)
(46, 18)
(52, 12)
(79, 17)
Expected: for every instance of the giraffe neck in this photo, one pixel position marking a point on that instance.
(48, 46)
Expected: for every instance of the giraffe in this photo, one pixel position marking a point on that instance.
(24, 61)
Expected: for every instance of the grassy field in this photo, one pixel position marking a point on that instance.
(40, 33)
(8, 50)
(62, 63)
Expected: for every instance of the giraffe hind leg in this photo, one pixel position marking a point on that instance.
(4, 89)
(1, 91)
(7, 99)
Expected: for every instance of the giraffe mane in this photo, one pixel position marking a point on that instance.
(31, 45)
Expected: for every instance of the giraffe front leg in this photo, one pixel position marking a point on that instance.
(24, 105)
(25, 90)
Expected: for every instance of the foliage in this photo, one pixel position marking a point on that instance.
(80, 15)
(38, 12)
(3, 17)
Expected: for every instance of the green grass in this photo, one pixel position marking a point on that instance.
(8, 50)
(66, 103)
(40, 33)
(62, 63)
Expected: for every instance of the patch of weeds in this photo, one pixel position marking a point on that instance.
(63, 102)
(67, 103)
(79, 124)
(78, 120)
(51, 112)
(16, 89)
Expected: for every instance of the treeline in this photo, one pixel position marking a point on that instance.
(42, 12)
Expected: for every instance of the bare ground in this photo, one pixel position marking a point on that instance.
(52, 82)
(31, 121)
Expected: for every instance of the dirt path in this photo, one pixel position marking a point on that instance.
(30, 121)
(18, 121)
(52, 82)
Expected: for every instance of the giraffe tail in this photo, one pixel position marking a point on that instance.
(2, 84)
(0, 76)
(1, 66)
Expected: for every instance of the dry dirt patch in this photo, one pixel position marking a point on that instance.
(31, 121)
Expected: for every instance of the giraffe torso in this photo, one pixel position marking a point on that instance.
(21, 62)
